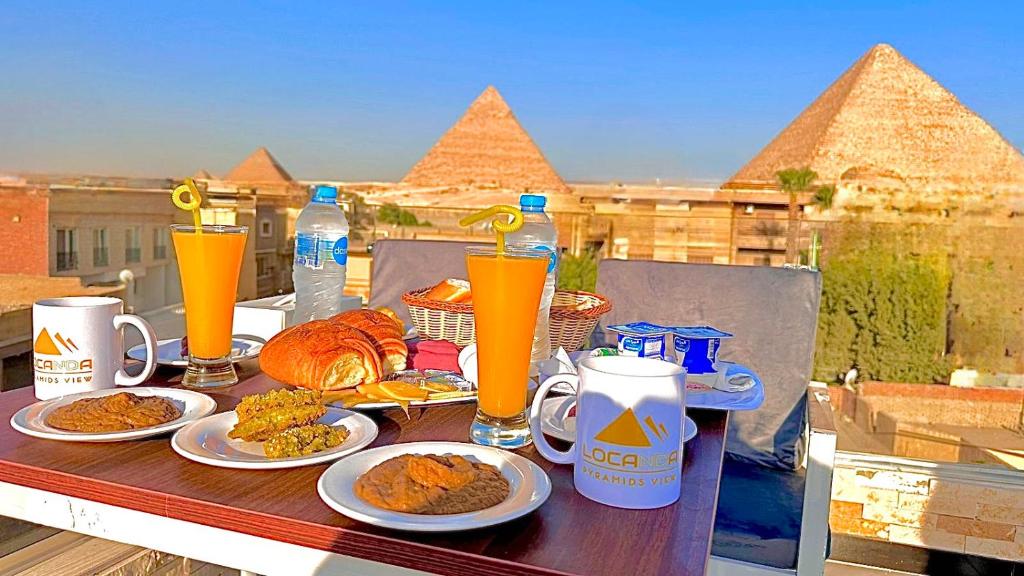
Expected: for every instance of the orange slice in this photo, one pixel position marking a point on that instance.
(373, 391)
(403, 391)
(355, 400)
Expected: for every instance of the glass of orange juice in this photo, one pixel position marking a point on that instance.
(209, 264)
(506, 290)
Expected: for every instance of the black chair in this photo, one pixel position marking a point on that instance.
(776, 480)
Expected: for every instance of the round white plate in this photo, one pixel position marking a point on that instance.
(168, 352)
(529, 488)
(206, 441)
(31, 420)
(555, 423)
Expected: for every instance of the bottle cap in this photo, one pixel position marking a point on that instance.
(532, 202)
(325, 194)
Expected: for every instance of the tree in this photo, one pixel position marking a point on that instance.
(793, 181)
(396, 216)
(824, 196)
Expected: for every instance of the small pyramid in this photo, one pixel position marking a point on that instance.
(885, 119)
(44, 344)
(624, 431)
(202, 175)
(487, 147)
(259, 168)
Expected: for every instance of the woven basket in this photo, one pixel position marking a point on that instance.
(570, 327)
(441, 320)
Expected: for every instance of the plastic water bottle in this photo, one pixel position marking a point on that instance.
(538, 233)
(321, 253)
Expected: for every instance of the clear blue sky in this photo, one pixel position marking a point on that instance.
(680, 91)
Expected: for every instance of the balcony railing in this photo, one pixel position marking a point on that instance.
(100, 256)
(159, 252)
(133, 254)
(67, 261)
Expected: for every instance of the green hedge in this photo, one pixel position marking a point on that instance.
(883, 310)
(578, 272)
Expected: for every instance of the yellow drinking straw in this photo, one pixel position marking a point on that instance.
(193, 202)
(499, 224)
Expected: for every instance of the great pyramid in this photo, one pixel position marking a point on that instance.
(259, 168)
(487, 147)
(886, 121)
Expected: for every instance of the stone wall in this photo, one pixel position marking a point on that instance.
(936, 404)
(968, 509)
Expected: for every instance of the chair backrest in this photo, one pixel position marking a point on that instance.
(773, 313)
(403, 265)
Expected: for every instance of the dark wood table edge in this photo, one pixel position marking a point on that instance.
(718, 489)
(340, 541)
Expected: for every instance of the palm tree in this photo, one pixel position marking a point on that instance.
(824, 196)
(793, 181)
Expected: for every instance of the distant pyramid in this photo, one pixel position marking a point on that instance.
(487, 147)
(259, 168)
(884, 119)
(202, 175)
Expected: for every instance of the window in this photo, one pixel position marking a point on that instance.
(265, 265)
(100, 248)
(266, 228)
(67, 249)
(133, 244)
(159, 243)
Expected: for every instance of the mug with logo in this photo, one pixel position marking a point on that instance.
(78, 345)
(629, 419)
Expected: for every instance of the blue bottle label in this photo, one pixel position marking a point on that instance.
(340, 251)
(307, 251)
(552, 254)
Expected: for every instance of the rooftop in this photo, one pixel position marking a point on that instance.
(18, 292)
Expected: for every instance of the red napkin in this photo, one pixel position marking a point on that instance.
(436, 355)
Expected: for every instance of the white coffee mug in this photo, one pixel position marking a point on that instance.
(629, 419)
(78, 345)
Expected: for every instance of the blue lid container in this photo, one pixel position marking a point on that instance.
(696, 347)
(641, 339)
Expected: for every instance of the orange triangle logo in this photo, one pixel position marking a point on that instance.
(45, 344)
(624, 431)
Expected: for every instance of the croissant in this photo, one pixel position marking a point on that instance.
(321, 355)
(383, 332)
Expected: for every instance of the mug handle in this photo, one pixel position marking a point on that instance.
(536, 429)
(121, 378)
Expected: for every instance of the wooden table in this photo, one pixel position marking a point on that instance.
(273, 522)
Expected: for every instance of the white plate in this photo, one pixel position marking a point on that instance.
(31, 420)
(168, 352)
(529, 488)
(206, 441)
(555, 423)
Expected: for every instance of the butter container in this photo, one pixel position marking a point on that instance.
(641, 339)
(696, 347)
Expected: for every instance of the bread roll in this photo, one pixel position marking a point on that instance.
(450, 290)
(321, 355)
(383, 332)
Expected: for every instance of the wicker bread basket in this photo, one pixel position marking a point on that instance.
(436, 320)
(573, 317)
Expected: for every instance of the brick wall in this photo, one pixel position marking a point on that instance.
(936, 403)
(931, 508)
(23, 231)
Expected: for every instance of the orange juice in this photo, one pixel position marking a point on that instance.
(506, 296)
(209, 264)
